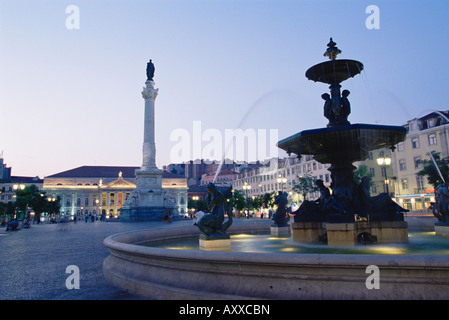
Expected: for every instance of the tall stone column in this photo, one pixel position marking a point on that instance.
(149, 94)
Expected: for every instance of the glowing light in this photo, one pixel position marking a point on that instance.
(389, 250)
(242, 235)
(277, 238)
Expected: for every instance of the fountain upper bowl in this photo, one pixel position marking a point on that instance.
(342, 143)
(334, 71)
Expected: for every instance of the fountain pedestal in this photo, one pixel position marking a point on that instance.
(341, 234)
(215, 243)
(308, 231)
(280, 231)
(390, 231)
(442, 230)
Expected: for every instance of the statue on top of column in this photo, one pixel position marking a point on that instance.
(150, 70)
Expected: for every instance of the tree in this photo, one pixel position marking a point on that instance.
(32, 197)
(7, 208)
(238, 200)
(53, 205)
(199, 205)
(305, 185)
(268, 199)
(435, 174)
(360, 172)
(257, 202)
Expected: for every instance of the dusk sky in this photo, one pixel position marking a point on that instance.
(72, 96)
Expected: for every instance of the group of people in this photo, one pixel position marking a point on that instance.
(14, 225)
(168, 217)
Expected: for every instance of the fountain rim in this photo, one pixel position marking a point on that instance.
(309, 132)
(131, 242)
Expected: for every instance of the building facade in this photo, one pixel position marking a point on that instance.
(10, 184)
(103, 190)
(424, 135)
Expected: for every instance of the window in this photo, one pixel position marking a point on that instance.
(404, 183)
(420, 182)
(86, 202)
(416, 161)
(400, 146)
(415, 143)
(402, 165)
(432, 139)
(372, 172)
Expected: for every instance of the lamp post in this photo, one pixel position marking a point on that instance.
(195, 205)
(384, 162)
(247, 187)
(18, 187)
(281, 180)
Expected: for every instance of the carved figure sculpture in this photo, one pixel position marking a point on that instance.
(281, 217)
(213, 223)
(380, 207)
(441, 208)
(328, 112)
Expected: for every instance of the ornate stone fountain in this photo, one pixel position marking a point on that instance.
(348, 214)
(344, 215)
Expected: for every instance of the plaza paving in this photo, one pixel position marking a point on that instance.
(33, 261)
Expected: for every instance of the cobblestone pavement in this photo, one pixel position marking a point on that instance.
(33, 261)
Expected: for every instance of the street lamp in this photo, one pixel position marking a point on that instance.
(384, 162)
(195, 205)
(247, 187)
(18, 187)
(282, 180)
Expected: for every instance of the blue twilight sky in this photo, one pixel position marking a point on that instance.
(72, 97)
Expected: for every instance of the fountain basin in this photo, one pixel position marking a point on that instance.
(349, 143)
(159, 273)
